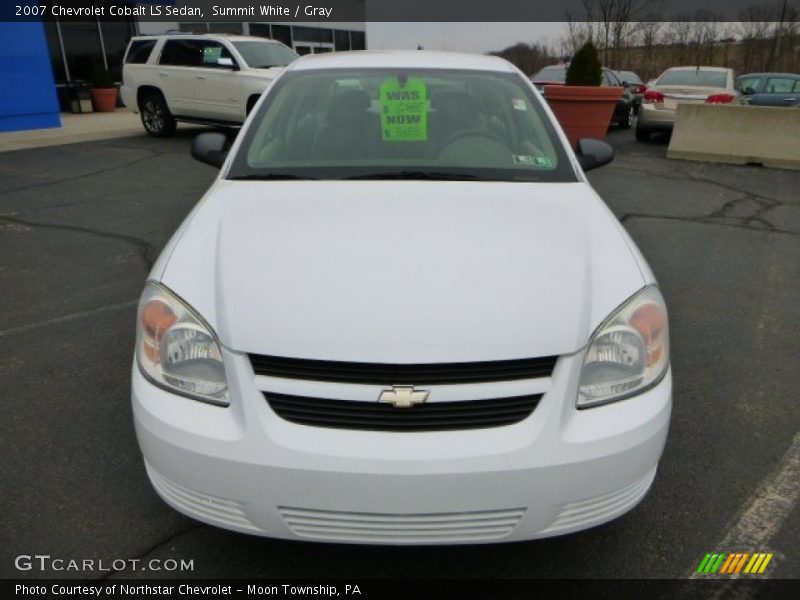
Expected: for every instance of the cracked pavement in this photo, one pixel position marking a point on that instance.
(80, 226)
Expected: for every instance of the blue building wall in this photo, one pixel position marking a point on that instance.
(27, 90)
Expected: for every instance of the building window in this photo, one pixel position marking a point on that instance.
(312, 34)
(116, 35)
(358, 40)
(341, 39)
(260, 30)
(193, 27)
(282, 33)
(56, 58)
(235, 28)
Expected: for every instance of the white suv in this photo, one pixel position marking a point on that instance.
(213, 79)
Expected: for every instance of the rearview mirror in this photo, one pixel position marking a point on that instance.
(209, 148)
(594, 153)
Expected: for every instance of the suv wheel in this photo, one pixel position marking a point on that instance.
(642, 135)
(156, 118)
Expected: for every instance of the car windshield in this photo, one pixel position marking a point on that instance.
(691, 77)
(628, 76)
(403, 123)
(552, 75)
(262, 55)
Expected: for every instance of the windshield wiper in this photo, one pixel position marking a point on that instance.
(427, 175)
(268, 176)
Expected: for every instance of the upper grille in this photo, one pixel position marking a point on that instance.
(399, 374)
(375, 416)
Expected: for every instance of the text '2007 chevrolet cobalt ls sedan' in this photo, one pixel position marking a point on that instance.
(401, 315)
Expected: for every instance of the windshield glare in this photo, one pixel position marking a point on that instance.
(697, 77)
(403, 123)
(262, 55)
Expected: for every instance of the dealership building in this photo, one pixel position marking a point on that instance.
(41, 60)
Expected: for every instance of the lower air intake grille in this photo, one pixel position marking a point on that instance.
(439, 528)
(402, 374)
(433, 416)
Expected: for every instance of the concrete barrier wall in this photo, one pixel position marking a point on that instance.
(765, 135)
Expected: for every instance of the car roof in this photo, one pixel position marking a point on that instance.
(205, 36)
(701, 67)
(414, 59)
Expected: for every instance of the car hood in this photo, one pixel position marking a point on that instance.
(404, 271)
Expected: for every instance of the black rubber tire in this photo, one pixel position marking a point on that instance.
(156, 118)
(626, 122)
(642, 135)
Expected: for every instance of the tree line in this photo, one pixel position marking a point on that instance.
(631, 37)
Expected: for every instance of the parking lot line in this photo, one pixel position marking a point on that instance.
(65, 318)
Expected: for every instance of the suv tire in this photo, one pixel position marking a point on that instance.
(156, 118)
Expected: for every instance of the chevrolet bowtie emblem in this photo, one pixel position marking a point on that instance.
(403, 396)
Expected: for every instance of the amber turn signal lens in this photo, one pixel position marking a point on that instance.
(157, 318)
(648, 320)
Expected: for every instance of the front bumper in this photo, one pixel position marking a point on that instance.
(243, 468)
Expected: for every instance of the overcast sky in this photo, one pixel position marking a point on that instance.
(462, 37)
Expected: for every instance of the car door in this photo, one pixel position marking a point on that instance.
(175, 74)
(777, 91)
(218, 84)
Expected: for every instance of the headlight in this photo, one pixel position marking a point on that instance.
(628, 353)
(176, 349)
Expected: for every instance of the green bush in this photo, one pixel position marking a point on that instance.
(585, 67)
(100, 77)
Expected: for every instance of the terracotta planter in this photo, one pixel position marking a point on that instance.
(583, 111)
(104, 99)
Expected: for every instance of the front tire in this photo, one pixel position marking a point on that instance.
(156, 118)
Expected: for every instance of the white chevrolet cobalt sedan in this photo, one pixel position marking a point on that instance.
(401, 315)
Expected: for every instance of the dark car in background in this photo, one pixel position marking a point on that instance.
(635, 86)
(557, 75)
(770, 89)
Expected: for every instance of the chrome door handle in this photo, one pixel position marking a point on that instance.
(202, 77)
(162, 74)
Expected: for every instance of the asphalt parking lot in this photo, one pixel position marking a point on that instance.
(81, 224)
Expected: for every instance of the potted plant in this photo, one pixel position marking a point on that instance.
(104, 92)
(583, 106)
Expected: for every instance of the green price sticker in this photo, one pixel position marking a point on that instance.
(404, 110)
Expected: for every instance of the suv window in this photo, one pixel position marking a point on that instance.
(139, 51)
(182, 53)
(748, 82)
(779, 85)
(193, 53)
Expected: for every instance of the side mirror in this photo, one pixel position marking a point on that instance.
(209, 148)
(625, 84)
(594, 153)
(748, 91)
(227, 63)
